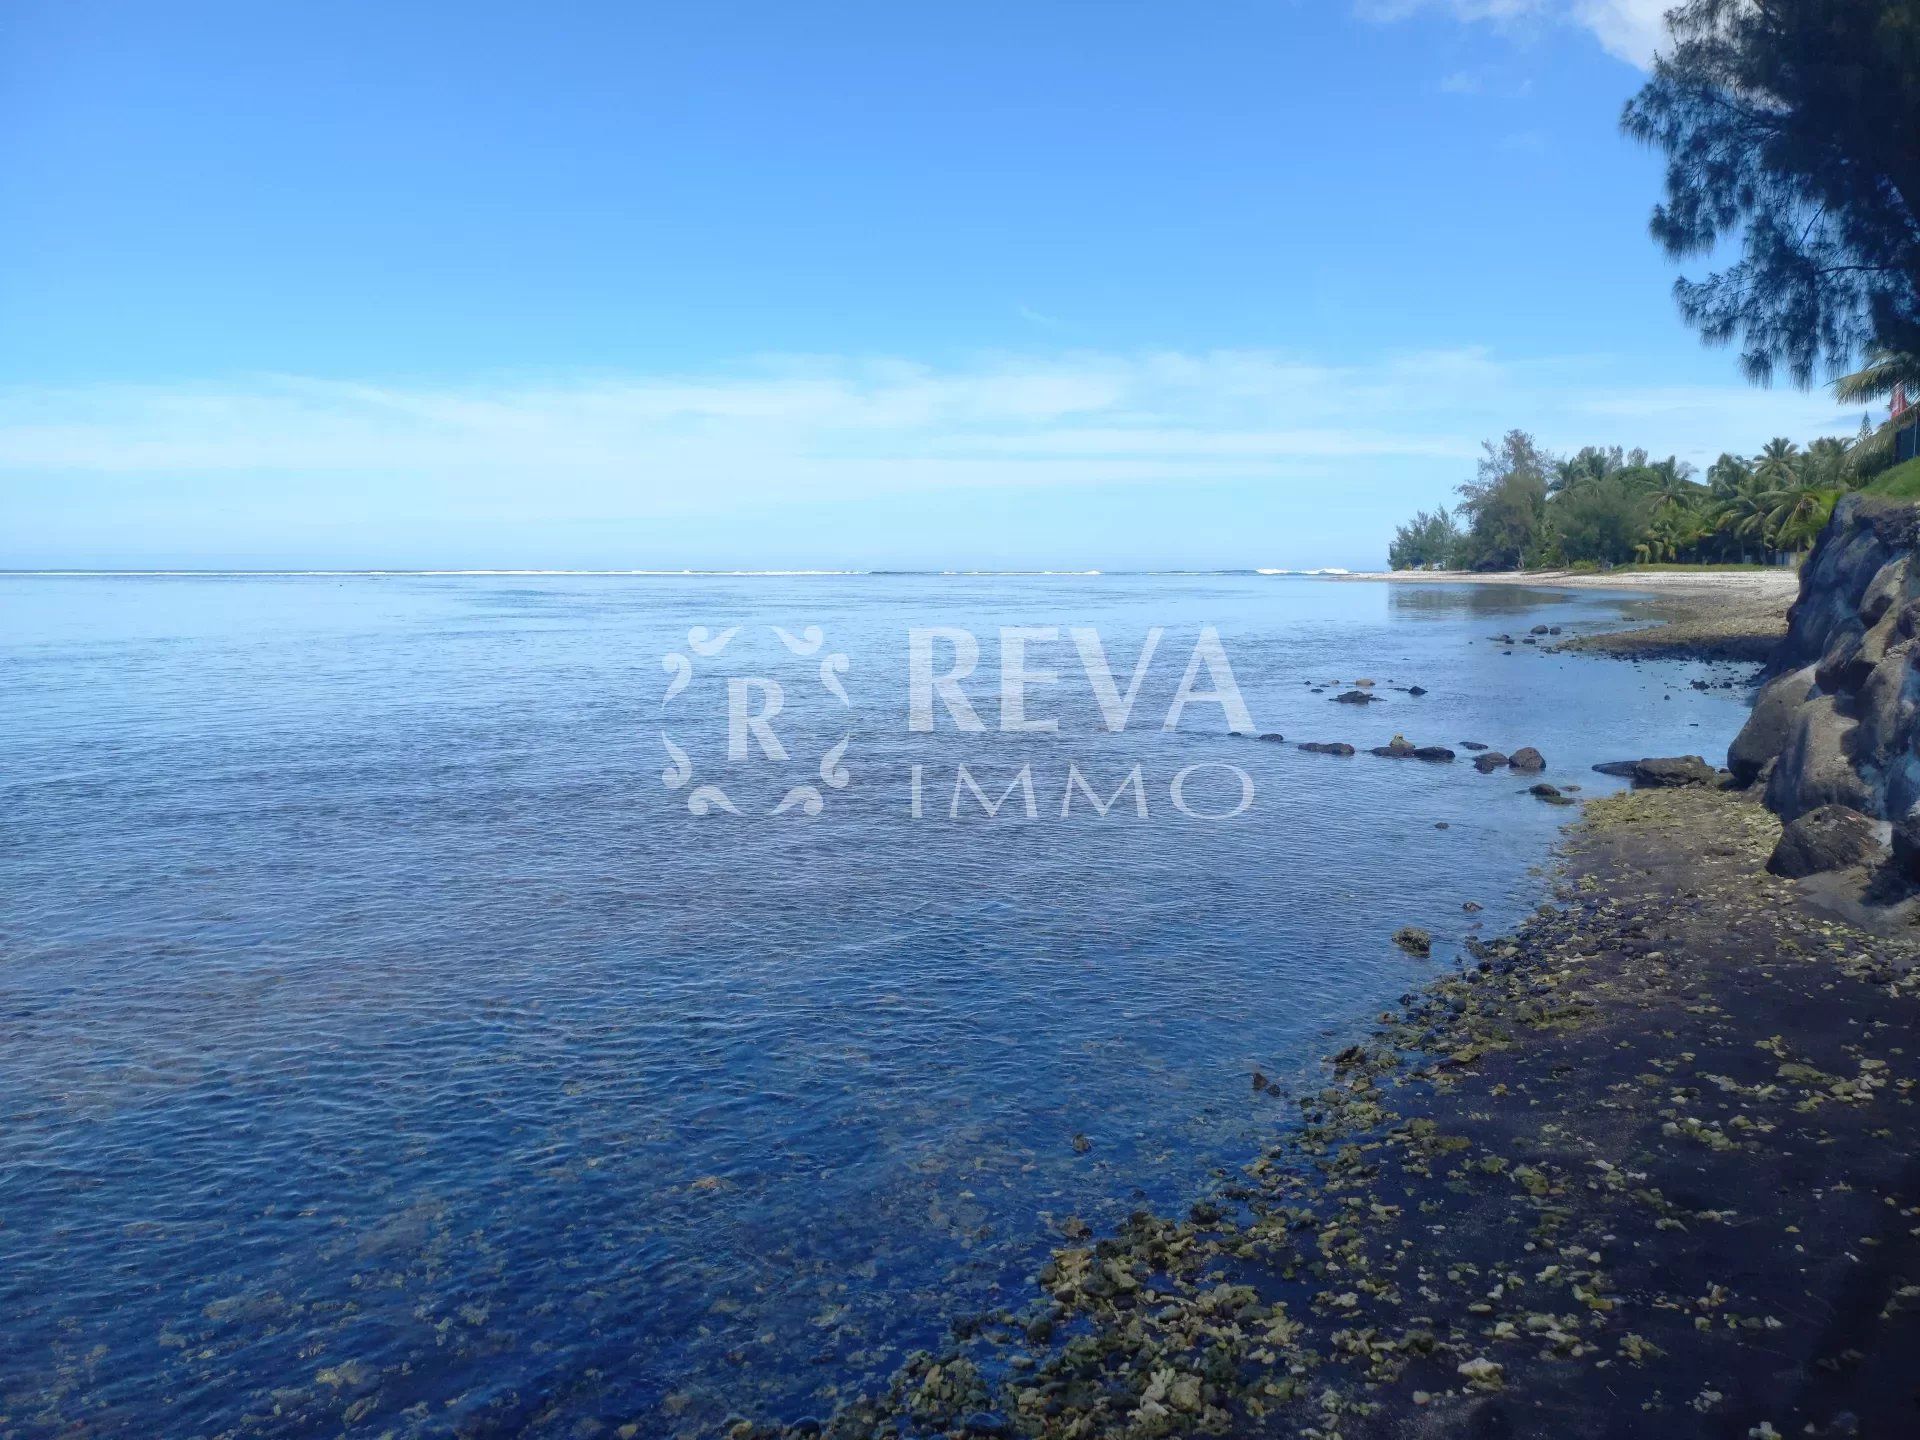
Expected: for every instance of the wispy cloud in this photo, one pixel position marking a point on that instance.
(841, 428)
(1632, 30)
(1485, 82)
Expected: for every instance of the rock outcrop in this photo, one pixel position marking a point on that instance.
(1835, 732)
(1830, 838)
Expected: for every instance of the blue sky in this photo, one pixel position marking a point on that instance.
(758, 285)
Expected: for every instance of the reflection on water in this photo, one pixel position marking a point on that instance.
(390, 1050)
(1422, 599)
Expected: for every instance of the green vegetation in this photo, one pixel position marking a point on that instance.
(1901, 483)
(1788, 132)
(1789, 126)
(1603, 507)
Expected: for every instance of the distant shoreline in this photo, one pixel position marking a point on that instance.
(1772, 582)
(1734, 615)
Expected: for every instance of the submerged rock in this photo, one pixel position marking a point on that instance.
(1355, 697)
(1327, 747)
(1414, 940)
(1619, 769)
(1489, 762)
(1274, 736)
(1829, 838)
(1416, 689)
(1473, 745)
(1433, 752)
(1544, 790)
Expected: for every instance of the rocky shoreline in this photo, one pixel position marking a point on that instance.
(1732, 625)
(1646, 1167)
(1650, 1165)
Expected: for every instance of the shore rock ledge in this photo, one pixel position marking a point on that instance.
(1837, 725)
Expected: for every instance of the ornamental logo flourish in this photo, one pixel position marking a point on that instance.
(754, 702)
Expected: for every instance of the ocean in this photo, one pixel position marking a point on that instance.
(514, 1004)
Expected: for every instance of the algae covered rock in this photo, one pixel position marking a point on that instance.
(1674, 772)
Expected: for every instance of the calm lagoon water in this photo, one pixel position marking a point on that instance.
(388, 1049)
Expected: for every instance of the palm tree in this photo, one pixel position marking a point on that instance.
(1743, 509)
(1829, 461)
(1672, 532)
(1725, 475)
(1671, 484)
(1591, 465)
(1885, 372)
(1797, 514)
(1778, 464)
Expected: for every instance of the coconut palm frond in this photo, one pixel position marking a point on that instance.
(1876, 380)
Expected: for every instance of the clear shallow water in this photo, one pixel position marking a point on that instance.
(388, 1050)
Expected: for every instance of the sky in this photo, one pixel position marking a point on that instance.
(1072, 285)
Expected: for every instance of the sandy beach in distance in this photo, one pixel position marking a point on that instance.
(1782, 581)
(1688, 614)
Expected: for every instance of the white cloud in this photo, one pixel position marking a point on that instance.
(1631, 30)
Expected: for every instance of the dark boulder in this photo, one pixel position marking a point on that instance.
(1527, 759)
(1274, 735)
(1355, 697)
(1543, 790)
(1906, 845)
(1433, 752)
(1473, 745)
(1816, 767)
(1770, 725)
(1829, 838)
(1620, 769)
(1489, 761)
(1416, 689)
(1328, 747)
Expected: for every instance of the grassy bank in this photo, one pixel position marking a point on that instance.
(1900, 483)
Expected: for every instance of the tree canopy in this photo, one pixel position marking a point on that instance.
(1607, 505)
(1792, 124)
